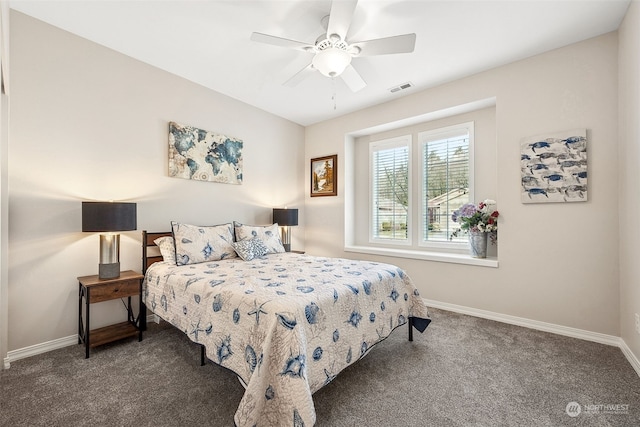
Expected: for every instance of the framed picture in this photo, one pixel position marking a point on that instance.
(324, 176)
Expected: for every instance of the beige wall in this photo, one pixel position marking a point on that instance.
(629, 173)
(88, 123)
(4, 199)
(558, 262)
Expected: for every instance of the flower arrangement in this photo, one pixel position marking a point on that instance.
(481, 218)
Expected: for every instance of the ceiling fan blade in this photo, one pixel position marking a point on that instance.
(340, 17)
(279, 41)
(353, 79)
(300, 76)
(387, 45)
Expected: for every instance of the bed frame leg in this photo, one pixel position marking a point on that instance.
(202, 350)
(143, 316)
(410, 322)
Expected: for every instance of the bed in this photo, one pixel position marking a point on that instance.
(285, 323)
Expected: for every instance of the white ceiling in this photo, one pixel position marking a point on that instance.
(208, 42)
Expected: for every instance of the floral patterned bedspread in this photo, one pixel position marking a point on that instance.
(286, 324)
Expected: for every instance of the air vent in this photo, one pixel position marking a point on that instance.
(403, 86)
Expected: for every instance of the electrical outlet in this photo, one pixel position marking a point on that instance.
(637, 323)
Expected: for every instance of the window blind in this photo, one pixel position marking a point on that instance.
(390, 190)
(446, 181)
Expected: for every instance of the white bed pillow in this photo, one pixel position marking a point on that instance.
(250, 248)
(196, 244)
(269, 234)
(167, 248)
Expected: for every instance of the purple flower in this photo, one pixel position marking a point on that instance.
(467, 210)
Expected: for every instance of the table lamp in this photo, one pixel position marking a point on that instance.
(285, 219)
(110, 217)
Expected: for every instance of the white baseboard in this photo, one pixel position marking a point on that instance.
(44, 347)
(630, 356)
(542, 326)
(56, 344)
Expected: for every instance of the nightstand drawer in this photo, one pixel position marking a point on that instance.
(114, 290)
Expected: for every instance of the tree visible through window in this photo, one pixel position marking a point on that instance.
(390, 189)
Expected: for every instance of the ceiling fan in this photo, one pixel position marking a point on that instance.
(333, 54)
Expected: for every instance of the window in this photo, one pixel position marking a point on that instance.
(446, 155)
(443, 177)
(390, 190)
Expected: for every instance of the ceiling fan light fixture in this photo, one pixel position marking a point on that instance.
(332, 61)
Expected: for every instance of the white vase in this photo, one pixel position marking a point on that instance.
(478, 244)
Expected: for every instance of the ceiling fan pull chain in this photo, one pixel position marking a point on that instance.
(333, 82)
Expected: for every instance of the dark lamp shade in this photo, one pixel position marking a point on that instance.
(108, 216)
(285, 217)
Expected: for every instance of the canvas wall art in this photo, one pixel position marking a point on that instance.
(324, 176)
(554, 167)
(203, 155)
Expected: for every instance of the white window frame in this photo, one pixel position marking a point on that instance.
(401, 141)
(430, 136)
(416, 188)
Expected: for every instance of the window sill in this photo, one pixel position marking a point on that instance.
(425, 255)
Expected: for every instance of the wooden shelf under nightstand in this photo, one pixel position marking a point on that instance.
(94, 290)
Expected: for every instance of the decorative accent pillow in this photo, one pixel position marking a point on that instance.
(250, 249)
(196, 244)
(269, 234)
(167, 248)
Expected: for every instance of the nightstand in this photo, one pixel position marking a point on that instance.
(94, 290)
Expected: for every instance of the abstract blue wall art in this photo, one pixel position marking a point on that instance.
(204, 156)
(554, 167)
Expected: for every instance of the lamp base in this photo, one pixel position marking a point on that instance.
(285, 233)
(109, 271)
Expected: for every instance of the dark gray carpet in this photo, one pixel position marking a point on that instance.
(462, 371)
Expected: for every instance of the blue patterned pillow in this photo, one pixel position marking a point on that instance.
(250, 249)
(195, 244)
(167, 248)
(270, 235)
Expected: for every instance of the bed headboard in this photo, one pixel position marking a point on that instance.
(150, 257)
